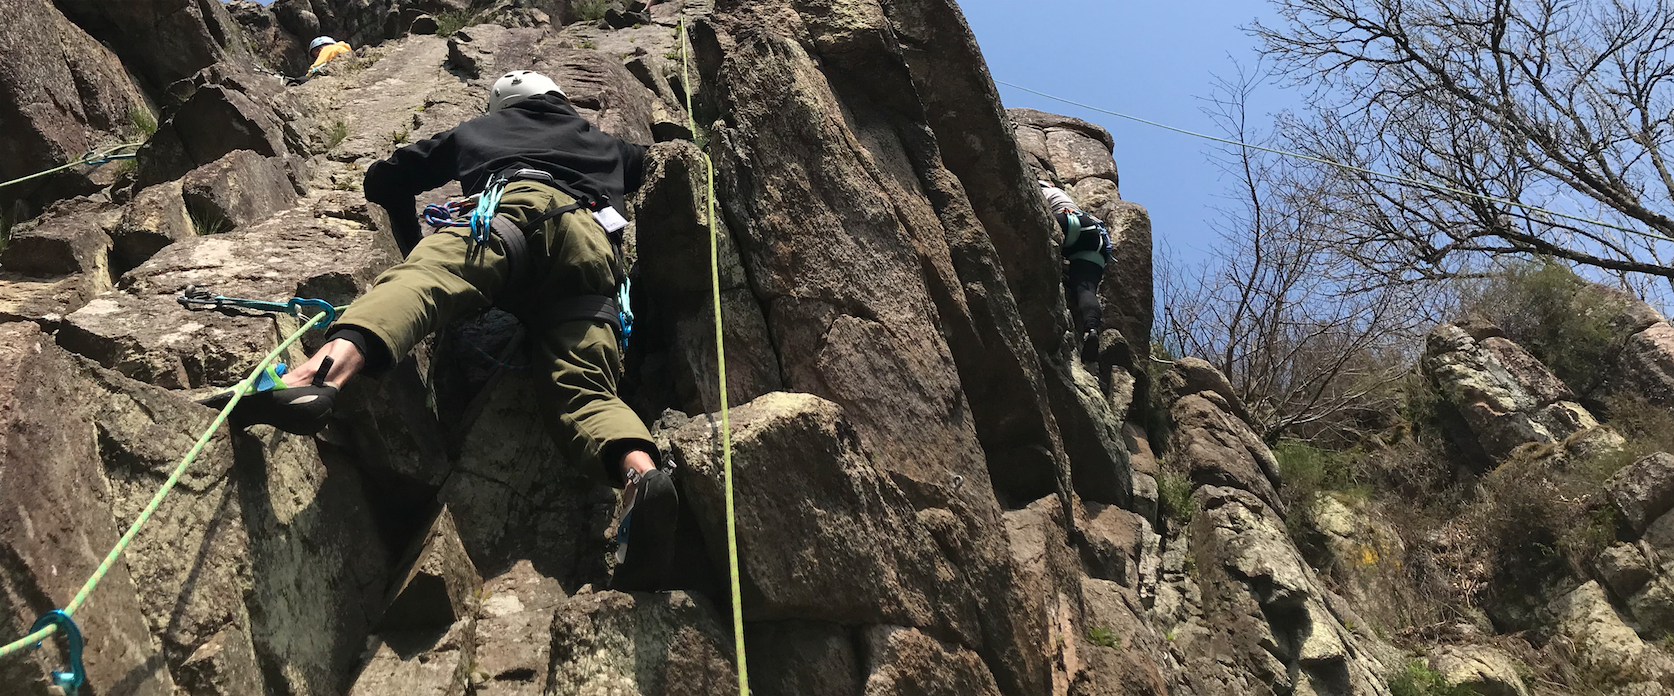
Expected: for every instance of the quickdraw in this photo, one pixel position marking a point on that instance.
(200, 297)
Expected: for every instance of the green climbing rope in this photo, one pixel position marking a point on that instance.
(721, 371)
(114, 152)
(168, 485)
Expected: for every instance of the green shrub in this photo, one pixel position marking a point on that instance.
(591, 10)
(1420, 680)
(143, 122)
(1538, 307)
(1308, 470)
(1100, 635)
(335, 135)
(206, 220)
(1174, 492)
(453, 20)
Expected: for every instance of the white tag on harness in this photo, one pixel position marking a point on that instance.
(610, 220)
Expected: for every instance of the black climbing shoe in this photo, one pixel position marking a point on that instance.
(645, 536)
(303, 410)
(1090, 347)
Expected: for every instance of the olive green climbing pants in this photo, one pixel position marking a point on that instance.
(447, 278)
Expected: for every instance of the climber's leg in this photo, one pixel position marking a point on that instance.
(1081, 281)
(444, 278)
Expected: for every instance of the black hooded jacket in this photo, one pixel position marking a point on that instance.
(541, 132)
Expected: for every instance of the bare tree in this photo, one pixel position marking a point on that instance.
(1563, 105)
(1274, 306)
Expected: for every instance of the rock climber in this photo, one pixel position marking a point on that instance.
(560, 182)
(324, 49)
(1086, 249)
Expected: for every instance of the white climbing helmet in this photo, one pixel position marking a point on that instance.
(320, 41)
(516, 85)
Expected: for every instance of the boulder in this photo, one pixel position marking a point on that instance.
(69, 238)
(1113, 540)
(155, 218)
(224, 666)
(514, 632)
(49, 118)
(902, 661)
(438, 585)
(1117, 645)
(51, 453)
(1646, 363)
(827, 536)
(271, 36)
(1642, 491)
(640, 644)
(214, 122)
(1624, 569)
(1215, 448)
(46, 301)
(1263, 607)
(164, 40)
(1506, 396)
(679, 320)
(420, 663)
(236, 191)
(1602, 641)
(856, 282)
(801, 658)
(1482, 669)
(142, 332)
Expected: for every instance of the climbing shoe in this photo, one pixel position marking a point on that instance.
(302, 410)
(1090, 347)
(645, 536)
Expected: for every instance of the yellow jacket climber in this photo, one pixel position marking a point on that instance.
(324, 49)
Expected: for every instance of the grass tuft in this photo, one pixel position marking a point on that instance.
(206, 220)
(335, 135)
(143, 122)
(1420, 680)
(1174, 491)
(453, 20)
(591, 10)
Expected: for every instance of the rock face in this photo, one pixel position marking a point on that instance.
(1506, 396)
(48, 119)
(933, 496)
(1247, 614)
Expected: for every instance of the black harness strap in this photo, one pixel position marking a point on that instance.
(553, 214)
(582, 308)
(517, 249)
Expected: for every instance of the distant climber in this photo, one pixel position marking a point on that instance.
(553, 260)
(324, 49)
(1086, 249)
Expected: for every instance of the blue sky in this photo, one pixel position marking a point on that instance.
(1155, 60)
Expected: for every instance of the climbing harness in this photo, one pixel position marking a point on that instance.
(484, 220)
(58, 620)
(196, 296)
(1086, 235)
(94, 158)
(721, 379)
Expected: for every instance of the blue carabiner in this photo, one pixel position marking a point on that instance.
(296, 305)
(71, 680)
